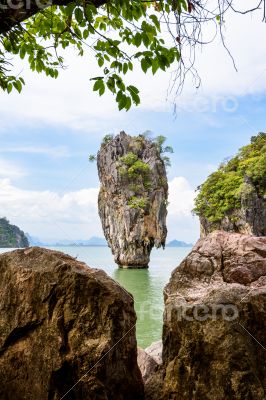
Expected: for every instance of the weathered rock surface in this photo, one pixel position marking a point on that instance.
(60, 323)
(155, 351)
(11, 235)
(214, 340)
(149, 359)
(146, 363)
(132, 207)
(250, 219)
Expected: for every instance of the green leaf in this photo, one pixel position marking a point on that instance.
(137, 39)
(79, 15)
(134, 94)
(97, 85)
(100, 61)
(128, 104)
(119, 96)
(69, 9)
(155, 21)
(102, 88)
(18, 86)
(145, 39)
(111, 84)
(22, 52)
(122, 102)
(9, 87)
(155, 66)
(133, 89)
(86, 34)
(144, 65)
(125, 68)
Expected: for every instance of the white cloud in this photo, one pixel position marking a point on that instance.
(10, 170)
(181, 224)
(46, 213)
(74, 215)
(181, 197)
(55, 152)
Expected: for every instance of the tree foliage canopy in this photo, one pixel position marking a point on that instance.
(119, 33)
(222, 191)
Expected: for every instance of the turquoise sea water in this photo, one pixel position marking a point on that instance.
(146, 286)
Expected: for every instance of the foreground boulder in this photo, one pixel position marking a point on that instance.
(214, 340)
(64, 324)
(132, 199)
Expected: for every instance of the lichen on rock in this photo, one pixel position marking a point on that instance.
(133, 198)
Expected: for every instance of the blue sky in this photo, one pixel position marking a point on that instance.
(47, 185)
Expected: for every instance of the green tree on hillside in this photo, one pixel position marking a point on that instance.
(221, 193)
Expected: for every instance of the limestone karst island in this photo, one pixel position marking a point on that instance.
(133, 198)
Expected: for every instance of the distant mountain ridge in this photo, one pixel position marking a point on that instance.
(177, 243)
(93, 241)
(11, 236)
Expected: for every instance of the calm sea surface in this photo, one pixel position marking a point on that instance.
(145, 285)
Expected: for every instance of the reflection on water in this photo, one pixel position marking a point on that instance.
(146, 285)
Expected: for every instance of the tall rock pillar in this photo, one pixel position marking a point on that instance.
(133, 198)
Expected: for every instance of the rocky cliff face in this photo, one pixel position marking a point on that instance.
(11, 235)
(214, 321)
(132, 198)
(249, 219)
(63, 323)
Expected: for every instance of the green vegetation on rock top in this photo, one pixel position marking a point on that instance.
(137, 173)
(222, 191)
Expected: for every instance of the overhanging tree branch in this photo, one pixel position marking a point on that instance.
(13, 12)
(40, 29)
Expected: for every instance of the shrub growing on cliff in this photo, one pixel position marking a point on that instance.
(133, 167)
(107, 138)
(137, 173)
(221, 192)
(138, 202)
(159, 142)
